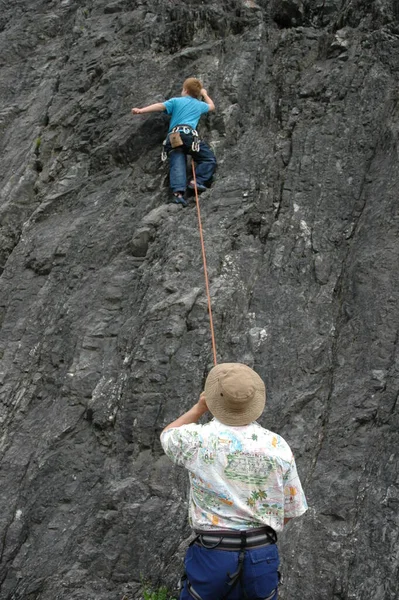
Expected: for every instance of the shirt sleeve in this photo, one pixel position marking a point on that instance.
(204, 107)
(169, 105)
(181, 444)
(294, 498)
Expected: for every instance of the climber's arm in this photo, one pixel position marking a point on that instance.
(207, 99)
(158, 107)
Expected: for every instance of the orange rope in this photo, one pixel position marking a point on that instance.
(205, 268)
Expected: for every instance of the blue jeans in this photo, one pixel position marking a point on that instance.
(205, 163)
(208, 573)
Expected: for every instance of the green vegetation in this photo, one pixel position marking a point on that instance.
(161, 593)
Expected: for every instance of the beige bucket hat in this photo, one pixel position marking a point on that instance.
(235, 394)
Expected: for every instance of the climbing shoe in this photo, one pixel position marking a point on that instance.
(200, 187)
(178, 198)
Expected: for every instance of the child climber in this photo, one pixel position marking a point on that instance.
(182, 137)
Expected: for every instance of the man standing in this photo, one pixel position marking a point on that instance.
(183, 138)
(244, 487)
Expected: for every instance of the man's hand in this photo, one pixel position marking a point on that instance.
(136, 111)
(202, 405)
(204, 92)
(191, 416)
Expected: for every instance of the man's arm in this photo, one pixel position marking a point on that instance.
(191, 416)
(158, 107)
(207, 99)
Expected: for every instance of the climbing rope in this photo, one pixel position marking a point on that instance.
(205, 267)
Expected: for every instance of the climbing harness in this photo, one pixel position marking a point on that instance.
(230, 540)
(176, 141)
(205, 267)
(235, 542)
(195, 146)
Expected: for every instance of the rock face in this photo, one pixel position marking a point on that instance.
(104, 328)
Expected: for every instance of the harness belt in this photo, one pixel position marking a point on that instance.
(187, 129)
(235, 541)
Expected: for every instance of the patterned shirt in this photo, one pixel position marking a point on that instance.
(240, 477)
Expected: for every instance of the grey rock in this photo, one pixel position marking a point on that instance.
(104, 331)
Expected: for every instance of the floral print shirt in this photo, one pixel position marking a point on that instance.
(240, 477)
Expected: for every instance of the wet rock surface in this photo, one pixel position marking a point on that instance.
(104, 328)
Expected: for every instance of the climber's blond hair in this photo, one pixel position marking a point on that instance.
(193, 87)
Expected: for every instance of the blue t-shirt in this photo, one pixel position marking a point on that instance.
(185, 111)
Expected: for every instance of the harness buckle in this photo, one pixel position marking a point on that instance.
(210, 546)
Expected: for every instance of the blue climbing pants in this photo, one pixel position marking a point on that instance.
(205, 163)
(209, 571)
